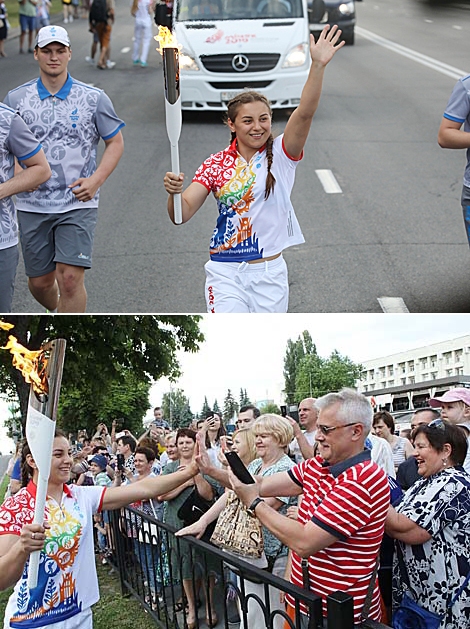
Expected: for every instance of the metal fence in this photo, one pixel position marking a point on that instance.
(150, 559)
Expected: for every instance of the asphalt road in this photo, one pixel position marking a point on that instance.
(395, 228)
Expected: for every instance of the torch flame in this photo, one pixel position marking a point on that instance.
(31, 363)
(166, 39)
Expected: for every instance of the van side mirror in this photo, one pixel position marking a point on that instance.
(162, 16)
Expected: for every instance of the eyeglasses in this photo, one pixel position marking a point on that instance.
(325, 430)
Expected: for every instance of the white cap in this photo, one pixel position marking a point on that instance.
(49, 34)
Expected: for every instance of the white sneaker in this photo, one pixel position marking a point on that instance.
(110, 64)
(90, 61)
(66, 20)
(71, 18)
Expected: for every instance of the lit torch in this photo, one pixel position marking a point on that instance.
(43, 370)
(169, 49)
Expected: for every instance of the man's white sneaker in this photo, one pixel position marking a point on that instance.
(90, 61)
(110, 64)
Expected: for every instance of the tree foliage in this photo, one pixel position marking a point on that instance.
(317, 376)
(230, 406)
(270, 407)
(176, 410)
(104, 354)
(296, 351)
(244, 399)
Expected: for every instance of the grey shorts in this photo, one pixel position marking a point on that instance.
(8, 263)
(50, 238)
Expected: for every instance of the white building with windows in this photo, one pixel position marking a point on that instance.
(408, 379)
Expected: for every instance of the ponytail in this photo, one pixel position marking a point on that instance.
(270, 179)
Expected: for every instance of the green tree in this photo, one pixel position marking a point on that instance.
(205, 408)
(230, 406)
(270, 407)
(127, 400)
(296, 351)
(317, 376)
(216, 408)
(176, 410)
(244, 399)
(101, 350)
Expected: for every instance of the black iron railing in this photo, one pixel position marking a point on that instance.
(149, 560)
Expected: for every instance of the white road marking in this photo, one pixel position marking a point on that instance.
(429, 62)
(328, 181)
(392, 304)
(126, 49)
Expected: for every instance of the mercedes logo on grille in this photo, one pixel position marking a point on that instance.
(240, 63)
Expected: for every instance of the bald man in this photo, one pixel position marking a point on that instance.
(303, 445)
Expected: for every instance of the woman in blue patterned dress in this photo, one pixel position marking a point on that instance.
(431, 527)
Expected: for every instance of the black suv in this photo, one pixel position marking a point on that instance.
(340, 12)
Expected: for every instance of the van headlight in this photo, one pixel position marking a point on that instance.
(347, 8)
(187, 63)
(296, 57)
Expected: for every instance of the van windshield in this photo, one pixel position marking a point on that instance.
(238, 10)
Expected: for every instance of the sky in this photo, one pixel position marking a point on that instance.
(247, 352)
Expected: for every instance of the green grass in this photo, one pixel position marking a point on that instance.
(13, 8)
(112, 610)
(3, 487)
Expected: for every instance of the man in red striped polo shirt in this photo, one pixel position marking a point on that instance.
(344, 505)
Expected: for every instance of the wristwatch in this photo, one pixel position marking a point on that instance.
(251, 509)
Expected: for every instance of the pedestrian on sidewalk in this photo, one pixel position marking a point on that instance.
(27, 15)
(3, 27)
(142, 10)
(57, 221)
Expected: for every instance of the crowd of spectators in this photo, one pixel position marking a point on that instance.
(339, 495)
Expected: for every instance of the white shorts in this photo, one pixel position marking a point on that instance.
(260, 287)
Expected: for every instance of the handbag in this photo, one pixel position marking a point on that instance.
(148, 530)
(193, 508)
(237, 531)
(410, 615)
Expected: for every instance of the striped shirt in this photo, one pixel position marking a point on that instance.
(349, 500)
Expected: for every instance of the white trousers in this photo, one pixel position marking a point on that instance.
(234, 287)
(142, 36)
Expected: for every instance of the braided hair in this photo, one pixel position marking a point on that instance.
(232, 111)
(26, 470)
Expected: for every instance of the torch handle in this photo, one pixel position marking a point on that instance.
(173, 128)
(39, 508)
(175, 167)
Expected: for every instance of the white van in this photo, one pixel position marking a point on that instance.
(232, 45)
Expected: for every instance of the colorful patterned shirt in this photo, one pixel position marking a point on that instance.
(16, 140)
(69, 125)
(349, 500)
(248, 227)
(67, 581)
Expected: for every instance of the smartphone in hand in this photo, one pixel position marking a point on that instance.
(238, 468)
